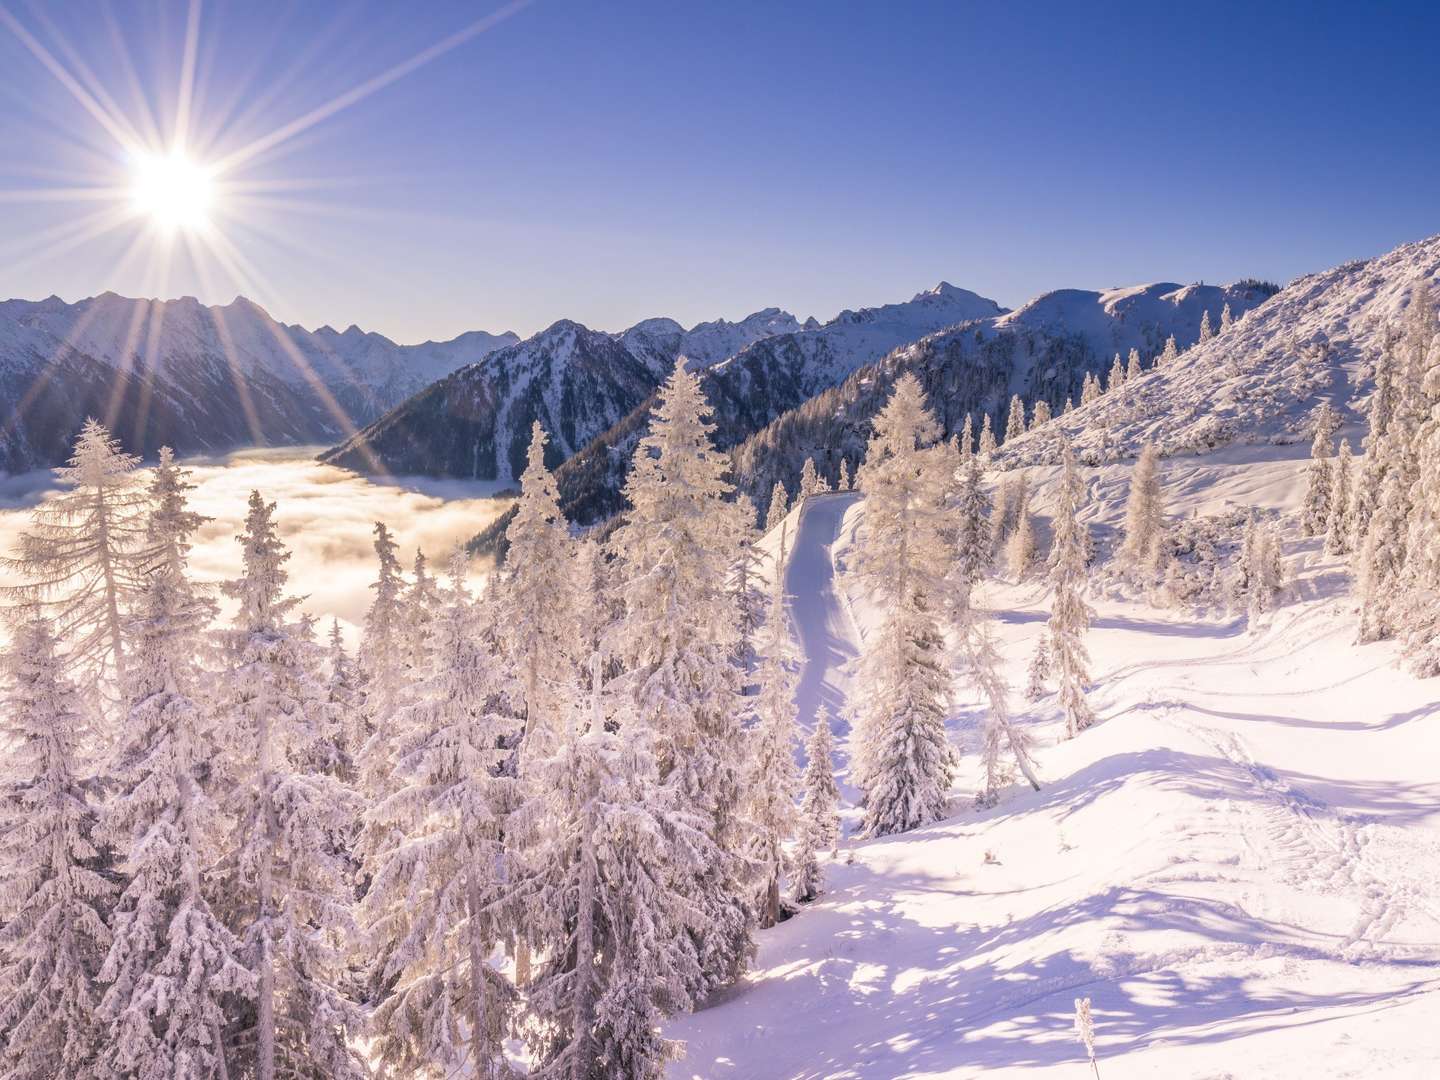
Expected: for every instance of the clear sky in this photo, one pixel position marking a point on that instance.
(611, 161)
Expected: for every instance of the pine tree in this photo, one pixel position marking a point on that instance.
(1268, 578)
(1116, 378)
(382, 662)
(1020, 547)
(969, 512)
(987, 439)
(346, 701)
(746, 582)
(846, 483)
(1134, 370)
(1015, 422)
(1069, 406)
(1090, 389)
(1169, 354)
(419, 605)
(1341, 525)
(84, 556)
(819, 817)
(967, 439)
(53, 900)
(982, 662)
(677, 639)
(779, 507)
(1205, 332)
(1382, 560)
(809, 480)
(1421, 576)
(1376, 446)
(1144, 530)
(1316, 511)
(175, 972)
(774, 781)
(289, 885)
(904, 762)
(1070, 615)
(1039, 671)
(432, 899)
(1042, 414)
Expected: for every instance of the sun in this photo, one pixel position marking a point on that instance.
(174, 192)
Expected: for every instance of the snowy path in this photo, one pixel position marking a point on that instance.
(824, 627)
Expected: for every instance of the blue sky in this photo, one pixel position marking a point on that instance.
(612, 161)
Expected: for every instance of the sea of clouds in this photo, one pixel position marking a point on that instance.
(326, 517)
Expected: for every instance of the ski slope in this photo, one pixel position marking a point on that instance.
(1240, 865)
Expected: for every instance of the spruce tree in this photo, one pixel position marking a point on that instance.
(1090, 389)
(904, 762)
(983, 665)
(969, 513)
(846, 483)
(987, 439)
(1042, 413)
(1020, 547)
(1225, 317)
(1315, 514)
(1070, 615)
(819, 817)
(1133, 369)
(779, 507)
(54, 901)
(1015, 418)
(1205, 332)
(967, 439)
(1341, 525)
(382, 663)
(1144, 529)
(1169, 354)
(1039, 671)
(1116, 378)
(809, 480)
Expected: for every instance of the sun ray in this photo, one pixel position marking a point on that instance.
(186, 92)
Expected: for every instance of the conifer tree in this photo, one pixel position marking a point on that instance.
(382, 662)
(1382, 560)
(1070, 615)
(1090, 389)
(1225, 317)
(1133, 369)
(421, 601)
(1376, 446)
(1169, 354)
(1421, 576)
(53, 899)
(175, 972)
(1205, 332)
(431, 903)
(774, 781)
(289, 885)
(1039, 671)
(1042, 413)
(1116, 378)
(1020, 547)
(969, 513)
(1316, 512)
(982, 662)
(846, 483)
(346, 701)
(779, 507)
(1069, 405)
(904, 762)
(1341, 525)
(677, 638)
(809, 480)
(987, 439)
(819, 817)
(967, 439)
(747, 581)
(1015, 422)
(1144, 528)
(1268, 576)
(84, 555)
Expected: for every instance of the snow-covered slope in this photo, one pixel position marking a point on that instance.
(1041, 351)
(662, 340)
(1316, 340)
(1240, 865)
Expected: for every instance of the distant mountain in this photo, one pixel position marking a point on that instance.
(196, 377)
(662, 340)
(1041, 351)
(1316, 340)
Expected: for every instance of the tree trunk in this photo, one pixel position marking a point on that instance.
(478, 1041)
(582, 1040)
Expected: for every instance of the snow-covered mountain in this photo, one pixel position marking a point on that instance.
(1041, 351)
(201, 378)
(662, 340)
(1316, 340)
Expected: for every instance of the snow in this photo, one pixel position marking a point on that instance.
(1239, 865)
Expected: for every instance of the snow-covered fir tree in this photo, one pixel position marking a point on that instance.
(84, 554)
(1267, 579)
(809, 479)
(987, 444)
(1169, 354)
(1015, 418)
(431, 906)
(1070, 615)
(1376, 446)
(1038, 674)
(967, 438)
(1382, 560)
(846, 482)
(176, 973)
(1090, 389)
(1315, 514)
(819, 829)
(420, 603)
(1012, 493)
(774, 781)
(1116, 378)
(345, 698)
(382, 663)
(1144, 529)
(747, 581)
(969, 512)
(1133, 368)
(677, 638)
(1001, 736)
(1341, 525)
(1042, 413)
(904, 761)
(1020, 550)
(779, 507)
(54, 900)
(1069, 405)
(1421, 577)
(288, 882)
(1206, 333)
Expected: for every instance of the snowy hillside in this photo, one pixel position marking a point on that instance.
(1316, 340)
(1239, 865)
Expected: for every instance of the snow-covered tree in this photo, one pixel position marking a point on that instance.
(420, 603)
(1020, 547)
(1133, 369)
(1341, 525)
(288, 881)
(1144, 528)
(1421, 603)
(1011, 494)
(53, 899)
(983, 668)
(987, 438)
(1069, 405)
(1206, 333)
(904, 761)
(1038, 673)
(1169, 354)
(1382, 560)
(819, 815)
(846, 482)
(779, 507)
(84, 555)
(610, 914)
(346, 699)
(382, 662)
(1042, 413)
(1316, 511)
(677, 639)
(175, 972)
(746, 579)
(967, 438)
(1377, 448)
(1116, 378)
(1090, 389)
(1070, 615)
(969, 512)
(809, 479)
(1268, 574)
(430, 909)
(1015, 418)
